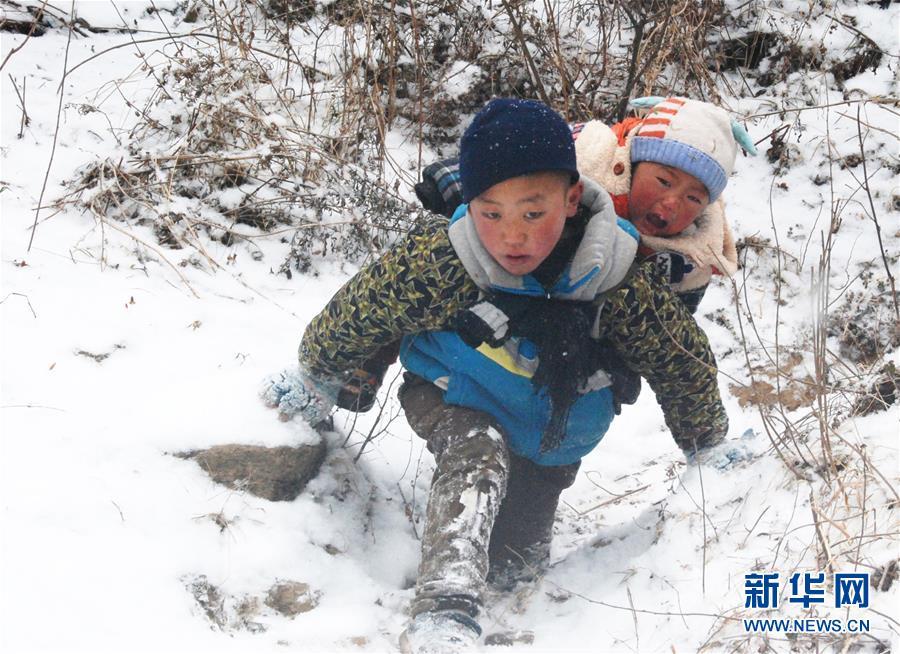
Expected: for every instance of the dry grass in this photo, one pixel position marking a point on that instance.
(808, 383)
(252, 133)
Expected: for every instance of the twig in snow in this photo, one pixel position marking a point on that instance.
(25, 119)
(751, 530)
(409, 510)
(826, 550)
(869, 125)
(637, 24)
(868, 190)
(61, 91)
(862, 35)
(26, 299)
(612, 500)
(34, 26)
(119, 509)
(865, 479)
(692, 614)
(157, 250)
(677, 599)
(32, 406)
(885, 616)
(372, 435)
(637, 634)
(172, 37)
(140, 53)
(766, 420)
(774, 133)
(703, 509)
(876, 99)
(526, 54)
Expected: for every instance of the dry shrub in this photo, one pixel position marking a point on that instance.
(227, 149)
(865, 325)
(770, 42)
(676, 46)
(272, 116)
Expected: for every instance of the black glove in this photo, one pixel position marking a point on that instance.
(671, 266)
(625, 383)
(483, 323)
(440, 190)
(358, 393)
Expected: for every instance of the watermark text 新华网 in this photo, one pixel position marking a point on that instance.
(850, 589)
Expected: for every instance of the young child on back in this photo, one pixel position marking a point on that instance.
(501, 313)
(666, 172)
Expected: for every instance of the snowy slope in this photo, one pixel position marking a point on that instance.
(115, 355)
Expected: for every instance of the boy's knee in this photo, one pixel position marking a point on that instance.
(465, 435)
(479, 457)
(482, 448)
(422, 403)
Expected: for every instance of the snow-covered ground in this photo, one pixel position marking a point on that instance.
(108, 540)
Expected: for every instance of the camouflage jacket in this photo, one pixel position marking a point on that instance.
(420, 285)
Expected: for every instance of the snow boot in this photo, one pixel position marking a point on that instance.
(440, 632)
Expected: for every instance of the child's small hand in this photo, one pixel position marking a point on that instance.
(725, 455)
(293, 393)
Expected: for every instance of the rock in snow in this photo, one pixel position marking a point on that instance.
(273, 473)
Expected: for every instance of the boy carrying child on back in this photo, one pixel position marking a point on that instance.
(674, 162)
(689, 249)
(501, 313)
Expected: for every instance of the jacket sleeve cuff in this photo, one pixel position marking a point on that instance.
(693, 442)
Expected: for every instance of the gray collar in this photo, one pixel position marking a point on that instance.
(601, 260)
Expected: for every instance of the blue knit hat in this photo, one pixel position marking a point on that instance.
(693, 136)
(509, 138)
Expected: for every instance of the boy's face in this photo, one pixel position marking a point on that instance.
(664, 200)
(520, 220)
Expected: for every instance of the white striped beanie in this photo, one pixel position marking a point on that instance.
(690, 135)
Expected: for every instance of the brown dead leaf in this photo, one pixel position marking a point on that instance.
(793, 394)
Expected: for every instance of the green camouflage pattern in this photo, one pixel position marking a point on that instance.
(420, 285)
(656, 335)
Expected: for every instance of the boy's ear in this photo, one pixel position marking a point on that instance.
(573, 197)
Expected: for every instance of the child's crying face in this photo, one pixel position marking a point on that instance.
(519, 221)
(664, 200)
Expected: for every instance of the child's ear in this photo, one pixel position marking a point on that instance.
(573, 197)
